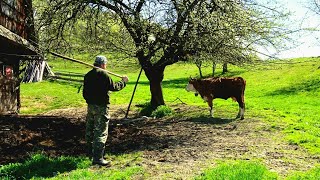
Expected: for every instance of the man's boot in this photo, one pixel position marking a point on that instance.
(101, 162)
(98, 158)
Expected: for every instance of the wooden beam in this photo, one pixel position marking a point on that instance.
(84, 63)
(16, 39)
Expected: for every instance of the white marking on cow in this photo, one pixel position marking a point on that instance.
(242, 113)
(190, 87)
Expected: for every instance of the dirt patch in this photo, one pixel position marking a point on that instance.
(172, 148)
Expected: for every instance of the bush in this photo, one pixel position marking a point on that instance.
(159, 112)
(146, 109)
(162, 111)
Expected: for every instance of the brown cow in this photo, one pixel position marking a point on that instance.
(211, 88)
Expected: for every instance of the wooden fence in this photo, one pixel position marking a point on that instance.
(68, 76)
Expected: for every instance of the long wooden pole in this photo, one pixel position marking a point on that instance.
(134, 90)
(84, 63)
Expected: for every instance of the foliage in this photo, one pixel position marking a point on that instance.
(146, 109)
(162, 111)
(223, 29)
(315, 6)
(238, 170)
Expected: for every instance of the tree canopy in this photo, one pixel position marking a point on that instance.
(162, 32)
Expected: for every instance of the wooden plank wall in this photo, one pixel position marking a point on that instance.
(13, 16)
(9, 90)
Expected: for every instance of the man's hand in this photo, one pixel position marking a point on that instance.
(125, 79)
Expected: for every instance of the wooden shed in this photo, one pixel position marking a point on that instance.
(17, 46)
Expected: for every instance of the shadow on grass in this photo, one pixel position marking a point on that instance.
(176, 83)
(40, 166)
(311, 85)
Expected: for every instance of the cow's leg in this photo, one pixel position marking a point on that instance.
(210, 103)
(241, 108)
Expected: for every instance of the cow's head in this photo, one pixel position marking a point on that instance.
(191, 86)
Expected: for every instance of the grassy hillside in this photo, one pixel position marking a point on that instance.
(289, 94)
(284, 94)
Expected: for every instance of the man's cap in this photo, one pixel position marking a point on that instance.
(100, 60)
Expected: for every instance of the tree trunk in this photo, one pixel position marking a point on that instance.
(214, 65)
(200, 71)
(225, 68)
(198, 63)
(155, 77)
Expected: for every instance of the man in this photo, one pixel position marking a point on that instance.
(97, 85)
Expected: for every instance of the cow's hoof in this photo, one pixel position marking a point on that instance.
(195, 94)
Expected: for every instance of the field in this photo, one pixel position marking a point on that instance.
(279, 138)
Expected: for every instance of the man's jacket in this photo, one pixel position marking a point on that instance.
(97, 85)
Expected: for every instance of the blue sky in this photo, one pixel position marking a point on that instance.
(307, 44)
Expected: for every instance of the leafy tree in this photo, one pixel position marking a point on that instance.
(161, 32)
(315, 6)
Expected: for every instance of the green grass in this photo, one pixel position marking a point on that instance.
(252, 170)
(112, 174)
(45, 96)
(285, 94)
(39, 166)
(312, 174)
(289, 96)
(243, 170)
(162, 111)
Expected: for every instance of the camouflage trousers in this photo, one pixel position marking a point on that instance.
(97, 124)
